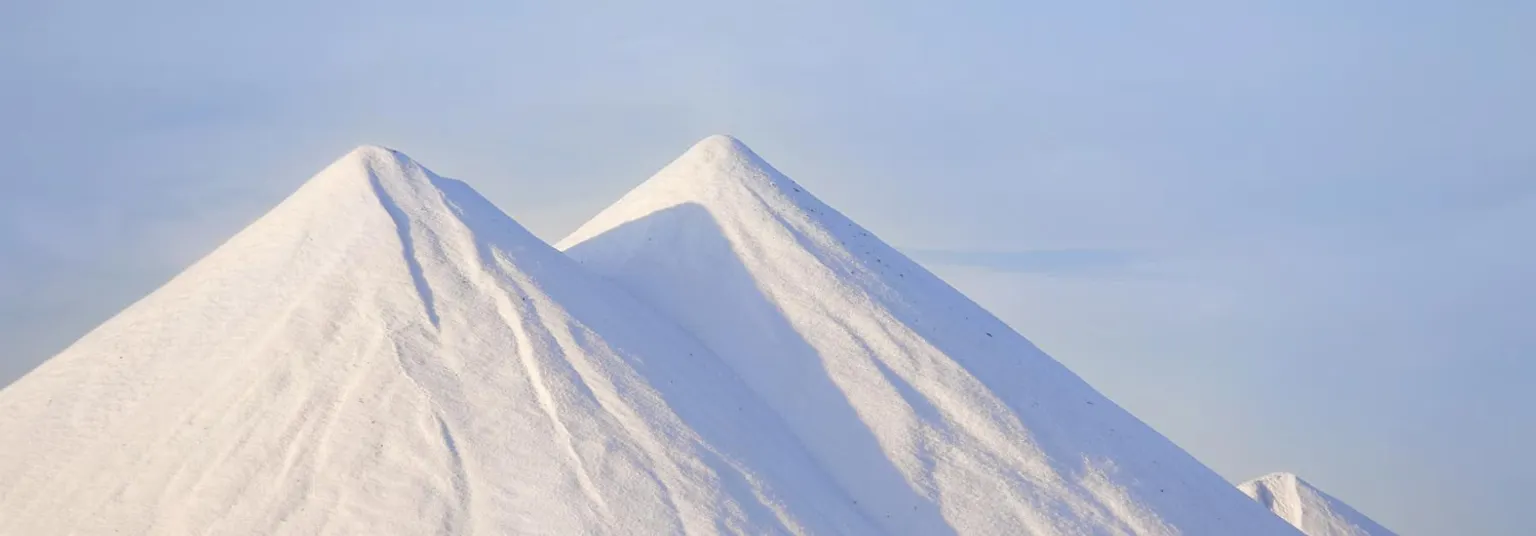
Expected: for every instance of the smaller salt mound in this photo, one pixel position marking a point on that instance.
(1308, 508)
(935, 416)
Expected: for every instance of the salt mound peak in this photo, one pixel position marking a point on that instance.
(373, 162)
(382, 173)
(718, 173)
(373, 151)
(723, 158)
(721, 153)
(720, 143)
(1282, 478)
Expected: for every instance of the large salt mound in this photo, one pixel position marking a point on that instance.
(387, 353)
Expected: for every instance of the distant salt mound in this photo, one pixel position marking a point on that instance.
(1308, 508)
(387, 353)
(931, 413)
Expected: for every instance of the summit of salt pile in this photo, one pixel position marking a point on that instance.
(932, 414)
(1316, 513)
(720, 142)
(385, 352)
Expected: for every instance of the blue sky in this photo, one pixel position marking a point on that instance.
(1290, 235)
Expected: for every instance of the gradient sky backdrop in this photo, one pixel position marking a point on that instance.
(1290, 235)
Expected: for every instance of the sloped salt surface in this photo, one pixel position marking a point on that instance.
(1308, 508)
(387, 353)
(932, 414)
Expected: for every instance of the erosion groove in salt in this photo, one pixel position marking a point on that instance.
(387, 353)
(1307, 508)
